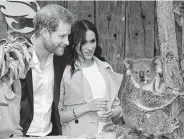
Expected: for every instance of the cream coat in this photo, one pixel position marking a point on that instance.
(75, 91)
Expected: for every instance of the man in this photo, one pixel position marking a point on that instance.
(39, 114)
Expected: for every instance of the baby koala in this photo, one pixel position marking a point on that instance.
(145, 73)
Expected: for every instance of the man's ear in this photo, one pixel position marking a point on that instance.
(158, 64)
(44, 33)
(128, 64)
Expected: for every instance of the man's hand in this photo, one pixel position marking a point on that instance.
(98, 104)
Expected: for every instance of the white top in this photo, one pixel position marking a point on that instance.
(98, 86)
(96, 80)
(43, 82)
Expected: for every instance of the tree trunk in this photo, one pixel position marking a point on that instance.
(169, 55)
(168, 44)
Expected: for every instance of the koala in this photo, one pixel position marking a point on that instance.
(145, 73)
(144, 96)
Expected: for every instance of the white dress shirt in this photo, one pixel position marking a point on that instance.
(43, 81)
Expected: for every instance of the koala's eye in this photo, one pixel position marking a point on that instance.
(148, 71)
(136, 72)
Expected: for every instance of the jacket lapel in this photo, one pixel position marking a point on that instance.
(30, 86)
(56, 79)
(114, 81)
(59, 64)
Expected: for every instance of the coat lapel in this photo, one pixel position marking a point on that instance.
(57, 75)
(76, 90)
(113, 82)
(59, 64)
(30, 86)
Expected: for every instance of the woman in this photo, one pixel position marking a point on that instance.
(89, 87)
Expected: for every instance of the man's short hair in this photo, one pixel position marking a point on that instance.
(50, 16)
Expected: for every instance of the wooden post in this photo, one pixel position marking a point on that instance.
(82, 9)
(110, 23)
(169, 55)
(140, 29)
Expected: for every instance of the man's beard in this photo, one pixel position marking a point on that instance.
(49, 45)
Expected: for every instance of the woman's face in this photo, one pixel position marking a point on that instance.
(88, 47)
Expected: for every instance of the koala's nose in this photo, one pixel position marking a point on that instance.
(141, 75)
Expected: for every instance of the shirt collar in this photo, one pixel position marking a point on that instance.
(32, 38)
(35, 58)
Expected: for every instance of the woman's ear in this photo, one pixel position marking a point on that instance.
(44, 33)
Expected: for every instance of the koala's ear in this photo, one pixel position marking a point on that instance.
(158, 64)
(128, 64)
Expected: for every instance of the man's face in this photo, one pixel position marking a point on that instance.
(58, 40)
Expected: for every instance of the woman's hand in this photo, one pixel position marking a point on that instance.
(98, 104)
(105, 115)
